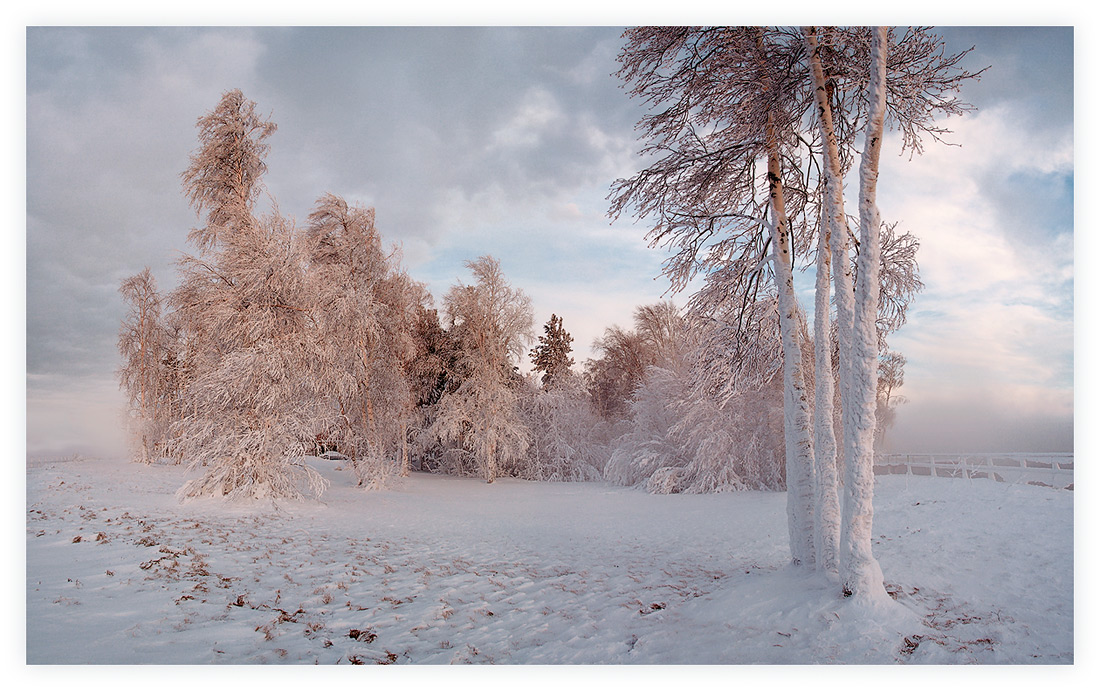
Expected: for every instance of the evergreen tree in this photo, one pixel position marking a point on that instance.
(551, 355)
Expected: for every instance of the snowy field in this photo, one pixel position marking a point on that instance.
(439, 570)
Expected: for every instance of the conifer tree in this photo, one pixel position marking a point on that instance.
(551, 356)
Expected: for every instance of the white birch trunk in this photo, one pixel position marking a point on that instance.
(796, 407)
(826, 498)
(860, 571)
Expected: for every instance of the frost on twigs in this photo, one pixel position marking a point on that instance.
(251, 417)
(491, 322)
(688, 430)
(568, 440)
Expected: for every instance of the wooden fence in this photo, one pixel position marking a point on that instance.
(1046, 469)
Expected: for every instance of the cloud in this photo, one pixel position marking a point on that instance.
(536, 115)
(110, 125)
(991, 336)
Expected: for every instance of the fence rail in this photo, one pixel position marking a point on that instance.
(1046, 469)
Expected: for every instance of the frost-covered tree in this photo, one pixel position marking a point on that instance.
(651, 360)
(613, 376)
(891, 377)
(859, 570)
(732, 421)
(252, 407)
(255, 410)
(899, 280)
(911, 82)
(918, 81)
(491, 322)
(364, 307)
(433, 366)
(832, 241)
(648, 453)
(146, 371)
(224, 177)
(551, 355)
(732, 444)
(730, 102)
(623, 356)
(726, 186)
(699, 419)
(568, 439)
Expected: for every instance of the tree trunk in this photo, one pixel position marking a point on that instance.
(796, 417)
(490, 464)
(404, 449)
(861, 573)
(827, 501)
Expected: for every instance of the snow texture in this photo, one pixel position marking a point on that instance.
(440, 569)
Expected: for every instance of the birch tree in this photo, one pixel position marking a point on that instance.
(891, 377)
(145, 371)
(726, 101)
(725, 187)
(254, 412)
(365, 309)
(911, 84)
(224, 177)
(832, 240)
(859, 569)
(800, 459)
(918, 80)
(492, 322)
(615, 374)
(251, 408)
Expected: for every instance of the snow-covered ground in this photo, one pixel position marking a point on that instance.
(451, 570)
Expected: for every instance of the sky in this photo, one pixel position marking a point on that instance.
(505, 141)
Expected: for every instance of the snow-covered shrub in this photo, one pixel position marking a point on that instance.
(568, 439)
(649, 446)
(734, 445)
(709, 417)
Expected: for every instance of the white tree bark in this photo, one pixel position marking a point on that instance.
(860, 572)
(826, 498)
(796, 407)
